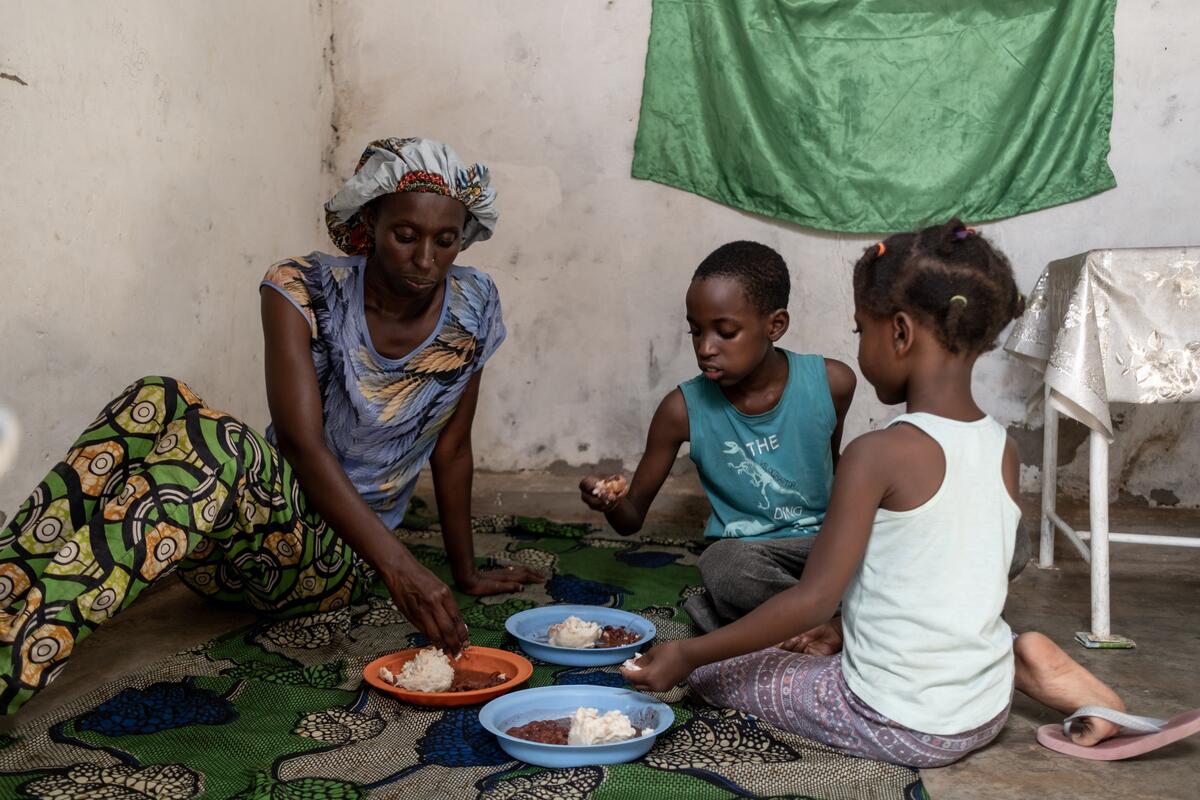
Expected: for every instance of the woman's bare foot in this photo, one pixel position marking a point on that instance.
(1050, 676)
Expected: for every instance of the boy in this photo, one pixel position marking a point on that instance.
(765, 427)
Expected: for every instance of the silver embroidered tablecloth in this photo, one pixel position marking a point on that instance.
(1115, 326)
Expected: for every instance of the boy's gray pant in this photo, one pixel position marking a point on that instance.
(741, 575)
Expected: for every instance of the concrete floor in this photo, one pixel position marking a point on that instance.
(1156, 602)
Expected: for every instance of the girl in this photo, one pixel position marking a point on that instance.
(916, 544)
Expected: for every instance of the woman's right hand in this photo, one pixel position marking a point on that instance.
(428, 603)
(601, 493)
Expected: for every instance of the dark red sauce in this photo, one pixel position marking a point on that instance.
(470, 680)
(543, 731)
(616, 636)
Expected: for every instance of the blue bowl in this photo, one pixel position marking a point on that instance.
(556, 702)
(529, 629)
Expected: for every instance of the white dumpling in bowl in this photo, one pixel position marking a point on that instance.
(574, 632)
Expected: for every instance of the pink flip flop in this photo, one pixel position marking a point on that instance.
(1144, 734)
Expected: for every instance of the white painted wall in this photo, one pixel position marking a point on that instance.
(593, 265)
(160, 157)
(163, 154)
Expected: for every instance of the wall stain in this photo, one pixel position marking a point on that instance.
(605, 466)
(14, 78)
(653, 371)
(1164, 497)
(329, 156)
(1072, 436)
(1072, 441)
(1169, 115)
(1163, 441)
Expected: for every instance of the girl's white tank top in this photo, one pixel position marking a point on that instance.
(924, 641)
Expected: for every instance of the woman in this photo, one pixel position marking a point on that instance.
(373, 365)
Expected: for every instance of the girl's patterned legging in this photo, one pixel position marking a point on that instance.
(808, 695)
(158, 482)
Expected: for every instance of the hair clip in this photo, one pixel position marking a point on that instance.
(958, 298)
(963, 233)
(880, 249)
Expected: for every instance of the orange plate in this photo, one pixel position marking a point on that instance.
(483, 659)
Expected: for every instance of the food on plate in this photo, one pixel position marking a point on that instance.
(585, 727)
(543, 731)
(617, 636)
(431, 671)
(575, 632)
(589, 726)
(471, 680)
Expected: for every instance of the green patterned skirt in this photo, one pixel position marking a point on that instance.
(158, 482)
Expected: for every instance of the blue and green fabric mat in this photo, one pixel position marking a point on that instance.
(279, 710)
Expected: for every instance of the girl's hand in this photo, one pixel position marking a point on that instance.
(823, 640)
(602, 494)
(499, 581)
(427, 603)
(660, 668)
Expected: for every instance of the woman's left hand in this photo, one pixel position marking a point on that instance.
(499, 581)
(660, 668)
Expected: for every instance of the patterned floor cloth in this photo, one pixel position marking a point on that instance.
(279, 710)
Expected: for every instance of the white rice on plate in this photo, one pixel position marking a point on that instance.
(589, 726)
(428, 671)
(574, 632)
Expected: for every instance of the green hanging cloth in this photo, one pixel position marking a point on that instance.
(879, 115)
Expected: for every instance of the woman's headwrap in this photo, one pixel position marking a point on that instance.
(409, 165)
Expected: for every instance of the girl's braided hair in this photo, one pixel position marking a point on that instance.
(948, 277)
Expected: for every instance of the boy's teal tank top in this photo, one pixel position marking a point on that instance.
(767, 476)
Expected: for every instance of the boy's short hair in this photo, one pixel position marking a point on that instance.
(760, 270)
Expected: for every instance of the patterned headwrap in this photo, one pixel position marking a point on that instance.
(409, 165)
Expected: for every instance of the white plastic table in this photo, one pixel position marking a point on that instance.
(1108, 326)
